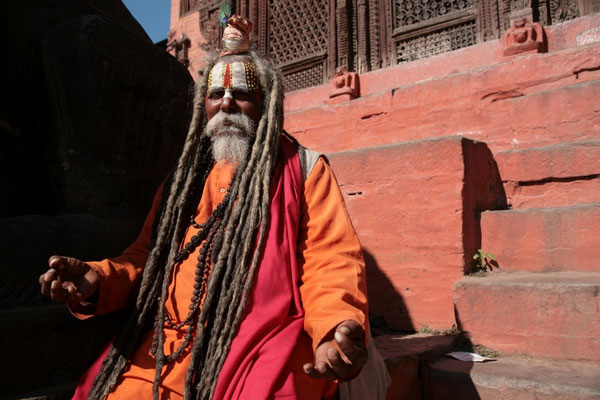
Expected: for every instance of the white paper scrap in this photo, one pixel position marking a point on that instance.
(466, 356)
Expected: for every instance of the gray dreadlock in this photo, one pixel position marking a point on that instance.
(234, 267)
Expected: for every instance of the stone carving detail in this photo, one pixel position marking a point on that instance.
(311, 39)
(297, 29)
(190, 5)
(524, 37)
(410, 12)
(210, 28)
(343, 48)
(452, 38)
(518, 4)
(488, 11)
(345, 85)
(178, 46)
(304, 78)
(563, 10)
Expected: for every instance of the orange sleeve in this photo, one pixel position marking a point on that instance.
(333, 286)
(119, 275)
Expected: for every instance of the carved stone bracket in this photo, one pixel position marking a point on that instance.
(345, 86)
(210, 28)
(178, 46)
(524, 37)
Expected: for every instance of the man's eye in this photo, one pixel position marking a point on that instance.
(216, 95)
(239, 95)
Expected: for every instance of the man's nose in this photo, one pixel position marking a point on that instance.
(228, 104)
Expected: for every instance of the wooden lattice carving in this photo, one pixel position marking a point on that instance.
(297, 29)
(563, 10)
(442, 41)
(410, 12)
(310, 39)
(190, 5)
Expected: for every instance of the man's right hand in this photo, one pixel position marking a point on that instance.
(69, 280)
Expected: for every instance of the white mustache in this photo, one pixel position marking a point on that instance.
(230, 124)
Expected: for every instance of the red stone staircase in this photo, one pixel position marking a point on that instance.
(541, 307)
(467, 151)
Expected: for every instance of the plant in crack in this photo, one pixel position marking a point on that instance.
(482, 262)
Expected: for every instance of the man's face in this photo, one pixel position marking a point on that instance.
(234, 101)
(233, 108)
(233, 88)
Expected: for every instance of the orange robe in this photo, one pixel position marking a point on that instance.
(333, 287)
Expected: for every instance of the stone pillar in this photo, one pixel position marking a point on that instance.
(363, 37)
(374, 34)
(343, 48)
(522, 9)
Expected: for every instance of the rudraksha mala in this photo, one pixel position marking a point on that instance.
(209, 234)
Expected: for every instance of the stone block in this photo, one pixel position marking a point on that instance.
(544, 239)
(407, 358)
(551, 176)
(565, 160)
(414, 207)
(552, 314)
(514, 378)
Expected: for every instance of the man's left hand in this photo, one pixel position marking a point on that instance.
(341, 357)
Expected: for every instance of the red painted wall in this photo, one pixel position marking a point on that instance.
(414, 185)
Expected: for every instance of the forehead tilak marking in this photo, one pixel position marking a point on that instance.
(236, 75)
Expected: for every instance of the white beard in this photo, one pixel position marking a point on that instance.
(230, 148)
(232, 136)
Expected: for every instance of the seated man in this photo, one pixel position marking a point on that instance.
(247, 278)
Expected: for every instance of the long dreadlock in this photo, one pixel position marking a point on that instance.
(238, 253)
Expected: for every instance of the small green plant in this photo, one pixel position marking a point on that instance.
(482, 262)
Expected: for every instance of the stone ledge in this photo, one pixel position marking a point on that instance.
(515, 378)
(544, 239)
(550, 314)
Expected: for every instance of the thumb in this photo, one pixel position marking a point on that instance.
(68, 268)
(350, 328)
(56, 261)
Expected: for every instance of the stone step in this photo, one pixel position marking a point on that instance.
(551, 176)
(544, 239)
(514, 378)
(407, 357)
(551, 314)
(418, 222)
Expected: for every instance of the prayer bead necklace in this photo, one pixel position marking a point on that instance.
(209, 233)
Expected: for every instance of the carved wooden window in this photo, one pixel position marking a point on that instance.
(191, 5)
(423, 29)
(310, 39)
(298, 37)
(557, 11)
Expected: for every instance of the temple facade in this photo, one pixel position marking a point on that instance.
(311, 40)
(465, 135)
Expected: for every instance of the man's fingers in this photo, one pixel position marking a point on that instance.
(353, 350)
(341, 367)
(352, 345)
(310, 370)
(326, 371)
(320, 370)
(73, 296)
(46, 280)
(57, 292)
